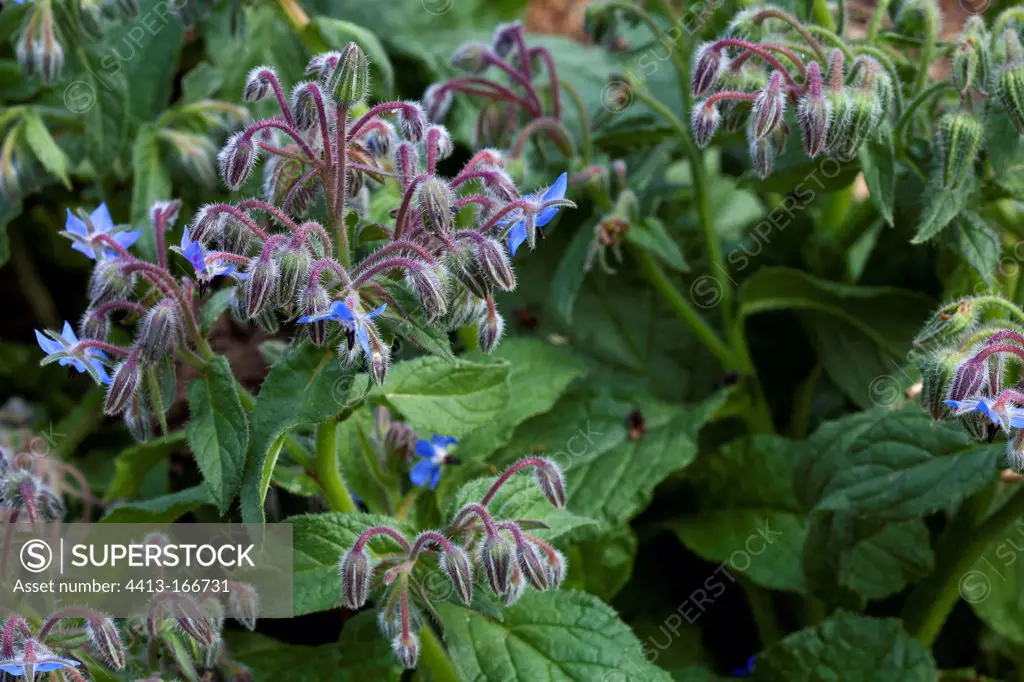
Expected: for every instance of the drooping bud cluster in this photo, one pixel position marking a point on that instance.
(508, 558)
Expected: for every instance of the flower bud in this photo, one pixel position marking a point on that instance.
(159, 332)
(551, 483)
(19, 490)
(456, 565)
(430, 291)
(438, 101)
(379, 360)
(1015, 451)
(439, 136)
(237, 159)
(495, 265)
(557, 568)
(412, 120)
(865, 112)
(313, 299)
(399, 441)
(471, 57)
(516, 588)
(106, 641)
(304, 108)
(531, 566)
(706, 69)
(407, 648)
(971, 59)
(123, 386)
(201, 630)
(959, 139)
(109, 282)
(94, 325)
(462, 263)
(294, 265)
(380, 141)
(165, 212)
(937, 370)
(762, 156)
(244, 603)
(51, 506)
(350, 82)
(814, 113)
(505, 38)
(705, 122)
(1010, 91)
(259, 84)
(49, 59)
(948, 323)
(260, 285)
(434, 200)
(90, 13)
(769, 107)
(839, 123)
(355, 579)
(497, 556)
(968, 380)
(490, 330)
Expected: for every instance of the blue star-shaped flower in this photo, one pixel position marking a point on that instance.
(355, 325)
(1000, 413)
(63, 349)
(83, 235)
(206, 267)
(517, 233)
(46, 663)
(747, 670)
(435, 454)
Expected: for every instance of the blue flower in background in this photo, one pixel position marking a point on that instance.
(434, 453)
(83, 234)
(517, 233)
(999, 413)
(64, 346)
(354, 325)
(45, 663)
(747, 670)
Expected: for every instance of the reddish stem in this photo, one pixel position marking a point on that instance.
(549, 63)
(380, 530)
(759, 51)
(536, 462)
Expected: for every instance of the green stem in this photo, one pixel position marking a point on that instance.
(928, 47)
(833, 40)
(915, 104)
(701, 196)
(1004, 19)
(964, 543)
(435, 659)
(876, 20)
(1000, 302)
(841, 18)
(327, 474)
(581, 109)
(802, 401)
(155, 397)
(821, 14)
(760, 601)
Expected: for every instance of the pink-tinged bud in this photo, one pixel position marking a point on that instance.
(412, 121)
(294, 267)
(1010, 91)
(165, 211)
(237, 159)
(814, 113)
(557, 567)
(355, 579)
(159, 332)
(380, 141)
(304, 107)
(471, 57)
(106, 641)
(1015, 452)
(462, 263)
(551, 483)
(201, 630)
(457, 566)
(379, 360)
(769, 107)
(19, 491)
(441, 139)
(968, 381)
(109, 282)
(490, 330)
(407, 160)
(516, 588)
(259, 84)
(497, 556)
(762, 156)
(123, 386)
(705, 120)
(94, 325)
(321, 65)
(506, 38)
(495, 265)
(438, 101)
(706, 69)
(314, 299)
(244, 603)
(260, 285)
(207, 224)
(407, 649)
(399, 441)
(434, 200)
(430, 291)
(531, 566)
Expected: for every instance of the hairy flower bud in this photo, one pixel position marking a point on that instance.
(490, 330)
(814, 113)
(457, 566)
(495, 265)
(959, 139)
(839, 123)
(706, 69)
(304, 107)
(200, 629)
(497, 556)
(937, 370)
(429, 290)
(439, 136)
(407, 648)
(762, 156)
(948, 323)
(972, 66)
(379, 360)
(471, 57)
(244, 603)
(557, 568)
(434, 200)
(865, 112)
(516, 588)
(705, 122)
(1010, 91)
(380, 141)
(123, 385)
(968, 380)
(769, 107)
(259, 84)
(261, 284)
(109, 282)
(531, 566)
(106, 641)
(350, 82)
(355, 579)
(462, 263)
(412, 121)
(94, 325)
(49, 59)
(314, 299)
(19, 491)
(159, 332)
(399, 441)
(506, 37)
(438, 101)
(1015, 451)
(294, 265)
(237, 159)
(551, 483)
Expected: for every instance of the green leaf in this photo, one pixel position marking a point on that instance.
(214, 307)
(794, 172)
(976, 242)
(365, 653)
(538, 374)
(651, 236)
(146, 49)
(45, 148)
(450, 398)
(218, 431)
(151, 182)
(413, 326)
(163, 509)
(271, 660)
(131, 466)
(941, 206)
(994, 585)
(560, 636)
(848, 648)
(307, 385)
(1005, 148)
(604, 565)
(319, 540)
(336, 34)
(878, 163)
(568, 278)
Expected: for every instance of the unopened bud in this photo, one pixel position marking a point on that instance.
(495, 265)
(865, 112)
(959, 138)
(106, 641)
(350, 82)
(471, 57)
(490, 330)
(937, 371)
(108, 282)
(237, 159)
(1010, 91)
(294, 268)
(304, 108)
(705, 122)
(260, 285)
(399, 441)
(138, 419)
(497, 556)
(159, 332)
(314, 299)
(456, 565)
(971, 59)
(199, 629)
(244, 602)
(968, 380)
(948, 323)
(769, 107)
(407, 648)
(434, 199)
(355, 579)
(94, 325)
(379, 359)
(706, 69)
(123, 385)
(506, 37)
(762, 156)
(551, 483)
(165, 212)
(839, 123)
(50, 59)
(441, 139)
(412, 121)
(380, 140)
(557, 568)
(531, 566)
(1015, 451)
(516, 588)
(462, 263)
(259, 84)
(430, 291)
(814, 113)
(19, 490)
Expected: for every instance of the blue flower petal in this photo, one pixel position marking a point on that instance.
(435, 478)
(13, 668)
(425, 449)
(378, 311)
(545, 216)
(68, 333)
(48, 345)
(986, 410)
(421, 473)
(341, 312)
(52, 664)
(75, 225)
(315, 317)
(83, 249)
(101, 220)
(128, 237)
(363, 337)
(557, 189)
(516, 237)
(442, 441)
